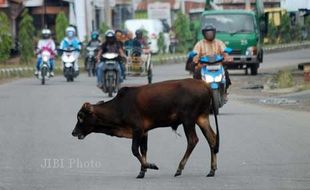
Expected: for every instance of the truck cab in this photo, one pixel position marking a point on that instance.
(239, 30)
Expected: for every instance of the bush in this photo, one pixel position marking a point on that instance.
(284, 79)
(183, 33)
(26, 36)
(5, 38)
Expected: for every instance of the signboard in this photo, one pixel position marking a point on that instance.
(3, 3)
(159, 11)
(33, 3)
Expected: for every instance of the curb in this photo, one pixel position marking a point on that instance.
(286, 47)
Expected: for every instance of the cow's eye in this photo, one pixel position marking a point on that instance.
(80, 119)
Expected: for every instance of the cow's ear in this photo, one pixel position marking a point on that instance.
(88, 108)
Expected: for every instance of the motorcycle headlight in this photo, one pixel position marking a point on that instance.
(218, 78)
(209, 78)
(45, 59)
(251, 51)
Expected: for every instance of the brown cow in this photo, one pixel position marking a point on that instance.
(136, 110)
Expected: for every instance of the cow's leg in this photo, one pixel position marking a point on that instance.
(141, 141)
(143, 150)
(192, 140)
(204, 124)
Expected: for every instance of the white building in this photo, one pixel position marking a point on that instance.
(295, 5)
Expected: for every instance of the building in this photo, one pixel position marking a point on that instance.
(44, 12)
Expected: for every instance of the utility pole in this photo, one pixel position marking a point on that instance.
(107, 12)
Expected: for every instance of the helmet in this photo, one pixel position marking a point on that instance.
(206, 29)
(70, 31)
(46, 33)
(109, 35)
(139, 33)
(94, 35)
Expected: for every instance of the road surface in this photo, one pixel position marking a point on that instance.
(260, 148)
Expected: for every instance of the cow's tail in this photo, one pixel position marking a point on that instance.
(217, 144)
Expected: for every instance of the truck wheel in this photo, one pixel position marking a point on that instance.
(254, 69)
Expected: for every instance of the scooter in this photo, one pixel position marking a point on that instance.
(44, 73)
(213, 72)
(111, 73)
(91, 61)
(68, 59)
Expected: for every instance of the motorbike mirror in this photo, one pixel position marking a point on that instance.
(191, 54)
(227, 50)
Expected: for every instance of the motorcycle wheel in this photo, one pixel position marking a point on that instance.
(89, 68)
(216, 101)
(149, 75)
(43, 74)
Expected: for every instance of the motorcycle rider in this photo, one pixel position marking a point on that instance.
(120, 38)
(71, 40)
(48, 44)
(131, 43)
(94, 42)
(209, 46)
(109, 46)
(139, 37)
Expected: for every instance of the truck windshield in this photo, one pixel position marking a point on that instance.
(230, 23)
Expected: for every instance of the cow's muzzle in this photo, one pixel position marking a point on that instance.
(79, 136)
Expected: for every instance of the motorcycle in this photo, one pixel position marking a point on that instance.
(111, 73)
(213, 73)
(91, 61)
(68, 58)
(44, 73)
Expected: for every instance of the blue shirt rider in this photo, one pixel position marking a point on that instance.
(72, 41)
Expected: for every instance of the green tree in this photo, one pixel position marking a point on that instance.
(161, 43)
(284, 29)
(26, 36)
(103, 28)
(307, 26)
(5, 38)
(183, 33)
(61, 25)
(272, 33)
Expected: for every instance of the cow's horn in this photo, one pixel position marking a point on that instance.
(88, 107)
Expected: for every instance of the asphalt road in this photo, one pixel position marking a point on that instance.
(261, 147)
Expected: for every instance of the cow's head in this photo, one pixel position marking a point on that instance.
(85, 121)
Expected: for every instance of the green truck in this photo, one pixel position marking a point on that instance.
(241, 30)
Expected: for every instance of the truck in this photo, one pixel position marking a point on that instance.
(243, 31)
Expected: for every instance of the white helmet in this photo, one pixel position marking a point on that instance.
(46, 33)
(70, 31)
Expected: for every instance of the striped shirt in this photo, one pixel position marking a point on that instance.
(207, 48)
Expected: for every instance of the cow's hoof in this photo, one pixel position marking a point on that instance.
(178, 173)
(211, 174)
(153, 167)
(141, 175)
